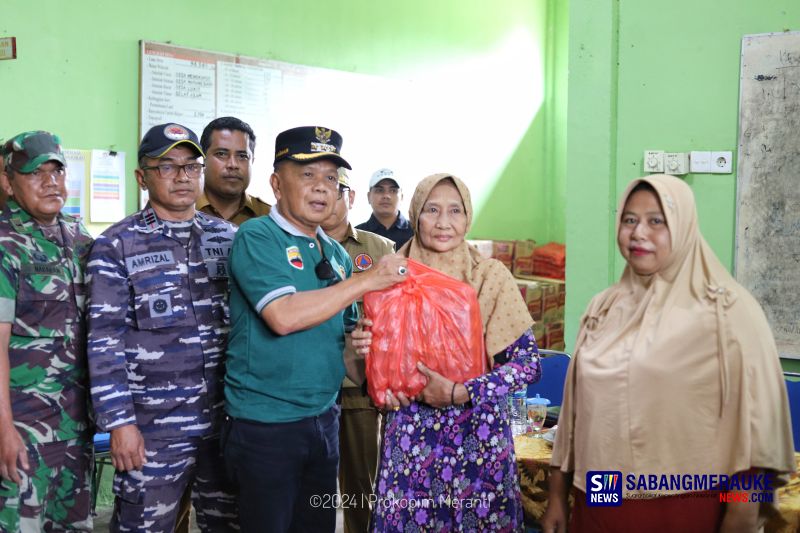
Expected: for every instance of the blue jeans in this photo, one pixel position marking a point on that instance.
(285, 473)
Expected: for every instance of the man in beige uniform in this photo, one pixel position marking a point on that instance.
(359, 421)
(229, 144)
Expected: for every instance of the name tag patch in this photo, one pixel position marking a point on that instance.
(137, 263)
(294, 257)
(160, 305)
(42, 269)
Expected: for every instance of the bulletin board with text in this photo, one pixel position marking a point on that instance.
(192, 87)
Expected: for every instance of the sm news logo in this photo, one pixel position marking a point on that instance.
(603, 488)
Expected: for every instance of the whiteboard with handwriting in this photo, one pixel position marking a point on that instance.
(768, 182)
(192, 87)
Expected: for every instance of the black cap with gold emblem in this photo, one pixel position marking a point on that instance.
(309, 143)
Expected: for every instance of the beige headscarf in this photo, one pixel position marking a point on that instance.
(505, 315)
(674, 373)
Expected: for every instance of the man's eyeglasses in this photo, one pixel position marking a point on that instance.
(170, 171)
(324, 270)
(343, 191)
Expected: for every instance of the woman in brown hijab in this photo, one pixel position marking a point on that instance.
(447, 459)
(675, 373)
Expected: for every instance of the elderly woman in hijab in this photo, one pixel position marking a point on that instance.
(675, 372)
(447, 459)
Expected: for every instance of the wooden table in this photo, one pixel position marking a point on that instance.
(533, 466)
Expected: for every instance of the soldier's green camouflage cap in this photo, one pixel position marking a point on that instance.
(26, 151)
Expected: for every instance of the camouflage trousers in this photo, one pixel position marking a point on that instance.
(149, 499)
(55, 493)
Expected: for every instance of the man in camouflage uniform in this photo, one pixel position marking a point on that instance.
(158, 324)
(3, 195)
(359, 421)
(45, 442)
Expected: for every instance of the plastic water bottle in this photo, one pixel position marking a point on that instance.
(518, 417)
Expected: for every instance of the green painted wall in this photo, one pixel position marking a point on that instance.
(77, 70)
(558, 77)
(529, 199)
(650, 75)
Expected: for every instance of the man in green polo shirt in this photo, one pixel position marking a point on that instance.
(292, 300)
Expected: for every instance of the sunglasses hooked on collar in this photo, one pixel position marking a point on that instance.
(324, 269)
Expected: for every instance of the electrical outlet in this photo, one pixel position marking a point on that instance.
(721, 162)
(654, 161)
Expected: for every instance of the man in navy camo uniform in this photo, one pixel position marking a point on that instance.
(158, 325)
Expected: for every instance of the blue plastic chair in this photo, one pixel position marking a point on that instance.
(793, 390)
(102, 457)
(554, 374)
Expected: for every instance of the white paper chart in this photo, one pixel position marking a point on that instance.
(107, 186)
(76, 177)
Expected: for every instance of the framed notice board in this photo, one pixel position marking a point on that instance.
(192, 87)
(767, 258)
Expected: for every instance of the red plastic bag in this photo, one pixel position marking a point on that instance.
(429, 317)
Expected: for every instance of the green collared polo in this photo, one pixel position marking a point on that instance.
(274, 378)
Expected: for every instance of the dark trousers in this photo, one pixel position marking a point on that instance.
(285, 473)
